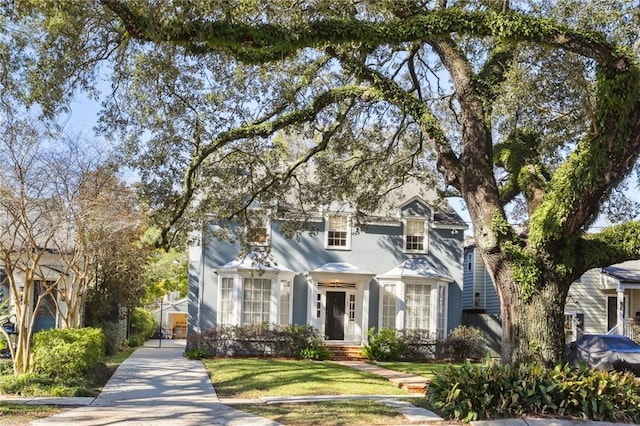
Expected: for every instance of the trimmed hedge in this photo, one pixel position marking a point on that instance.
(474, 392)
(293, 341)
(142, 326)
(419, 345)
(67, 353)
(386, 345)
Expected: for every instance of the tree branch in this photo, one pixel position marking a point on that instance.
(447, 161)
(259, 128)
(263, 42)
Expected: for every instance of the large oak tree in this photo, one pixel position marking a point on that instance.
(529, 108)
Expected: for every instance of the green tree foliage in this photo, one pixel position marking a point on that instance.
(142, 326)
(233, 99)
(165, 272)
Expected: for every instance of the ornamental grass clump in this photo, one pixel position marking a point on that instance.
(474, 392)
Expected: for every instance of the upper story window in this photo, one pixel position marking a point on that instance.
(258, 228)
(338, 235)
(415, 235)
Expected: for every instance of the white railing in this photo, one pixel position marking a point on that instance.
(630, 328)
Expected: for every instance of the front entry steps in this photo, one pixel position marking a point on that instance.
(345, 352)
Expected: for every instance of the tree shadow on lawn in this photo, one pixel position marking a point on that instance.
(251, 378)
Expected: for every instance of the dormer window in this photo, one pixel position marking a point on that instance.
(258, 228)
(415, 236)
(338, 235)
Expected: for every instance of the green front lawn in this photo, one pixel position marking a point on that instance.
(424, 369)
(352, 413)
(19, 414)
(253, 378)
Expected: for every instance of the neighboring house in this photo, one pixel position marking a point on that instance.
(171, 315)
(401, 269)
(47, 273)
(479, 294)
(605, 300)
(480, 300)
(602, 300)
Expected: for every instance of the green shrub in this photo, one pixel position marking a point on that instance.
(305, 342)
(295, 341)
(114, 337)
(142, 326)
(386, 345)
(474, 392)
(67, 353)
(29, 384)
(195, 353)
(32, 384)
(135, 340)
(6, 367)
(462, 343)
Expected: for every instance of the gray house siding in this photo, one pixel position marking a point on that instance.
(376, 248)
(480, 294)
(468, 278)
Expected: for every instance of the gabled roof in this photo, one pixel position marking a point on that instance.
(414, 268)
(341, 268)
(623, 274)
(248, 263)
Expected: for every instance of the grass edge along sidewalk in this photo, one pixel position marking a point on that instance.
(324, 391)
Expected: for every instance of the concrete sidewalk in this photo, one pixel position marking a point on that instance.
(157, 386)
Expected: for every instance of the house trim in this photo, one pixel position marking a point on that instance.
(339, 278)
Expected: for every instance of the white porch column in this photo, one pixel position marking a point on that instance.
(620, 310)
(312, 295)
(365, 314)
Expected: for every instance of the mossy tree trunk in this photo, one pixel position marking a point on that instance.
(532, 323)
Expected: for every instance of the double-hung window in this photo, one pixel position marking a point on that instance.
(389, 306)
(418, 306)
(338, 232)
(285, 302)
(256, 301)
(415, 236)
(226, 301)
(258, 228)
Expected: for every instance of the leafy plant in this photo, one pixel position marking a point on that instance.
(294, 341)
(67, 353)
(142, 326)
(195, 353)
(386, 345)
(114, 337)
(474, 392)
(462, 343)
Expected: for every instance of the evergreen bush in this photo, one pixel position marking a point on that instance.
(114, 337)
(67, 353)
(294, 341)
(386, 345)
(463, 342)
(142, 326)
(474, 392)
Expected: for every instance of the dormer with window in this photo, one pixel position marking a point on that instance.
(338, 232)
(415, 235)
(258, 227)
(416, 217)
